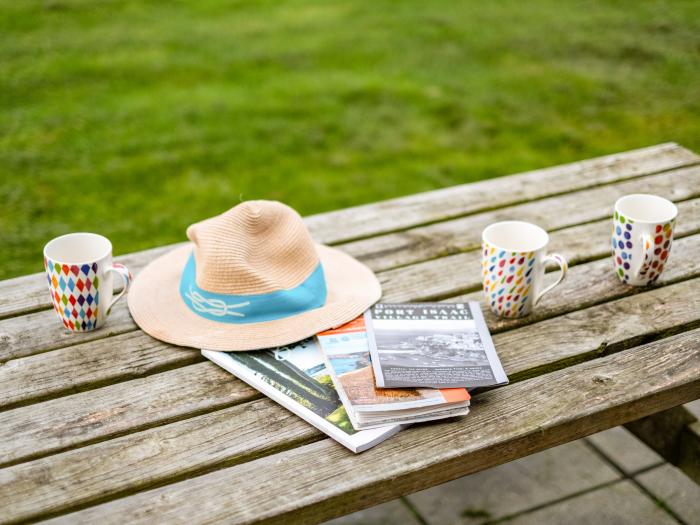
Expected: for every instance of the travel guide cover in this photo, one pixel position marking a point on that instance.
(347, 355)
(296, 377)
(435, 345)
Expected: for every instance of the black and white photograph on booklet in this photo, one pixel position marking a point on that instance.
(433, 345)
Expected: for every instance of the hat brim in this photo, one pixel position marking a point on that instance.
(157, 308)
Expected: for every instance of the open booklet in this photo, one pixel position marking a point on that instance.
(436, 345)
(347, 356)
(296, 377)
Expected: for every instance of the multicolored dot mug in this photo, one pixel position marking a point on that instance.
(642, 236)
(513, 265)
(79, 271)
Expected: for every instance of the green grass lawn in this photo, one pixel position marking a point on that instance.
(137, 118)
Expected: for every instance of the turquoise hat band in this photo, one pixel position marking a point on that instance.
(245, 309)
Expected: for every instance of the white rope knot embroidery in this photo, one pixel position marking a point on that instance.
(215, 307)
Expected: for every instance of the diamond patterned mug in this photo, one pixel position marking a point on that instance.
(79, 271)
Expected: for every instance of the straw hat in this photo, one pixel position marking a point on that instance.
(251, 278)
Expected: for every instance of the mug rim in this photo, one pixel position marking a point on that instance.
(494, 225)
(56, 240)
(647, 195)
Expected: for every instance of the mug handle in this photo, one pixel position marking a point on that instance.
(560, 260)
(648, 252)
(125, 274)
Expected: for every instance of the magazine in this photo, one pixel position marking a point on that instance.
(347, 356)
(435, 345)
(296, 377)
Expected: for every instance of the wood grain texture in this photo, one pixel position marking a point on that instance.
(28, 293)
(406, 212)
(505, 424)
(76, 420)
(39, 332)
(155, 456)
(458, 235)
(86, 365)
(121, 464)
(602, 328)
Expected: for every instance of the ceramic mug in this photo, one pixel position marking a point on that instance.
(79, 271)
(642, 236)
(513, 265)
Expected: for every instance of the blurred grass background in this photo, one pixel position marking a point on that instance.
(136, 118)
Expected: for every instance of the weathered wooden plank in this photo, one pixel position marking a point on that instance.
(39, 331)
(87, 365)
(461, 273)
(627, 321)
(87, 417)
(159, 455)
(459, 235)
(117, 465)
(505, 424)
(28, 293)
(422, 208)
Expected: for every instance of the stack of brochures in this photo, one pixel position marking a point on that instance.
(347, 353)
(362, 382)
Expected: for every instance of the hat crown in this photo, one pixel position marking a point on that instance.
(256, 247)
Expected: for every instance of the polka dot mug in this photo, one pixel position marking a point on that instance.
(641, 237)
(513, 264)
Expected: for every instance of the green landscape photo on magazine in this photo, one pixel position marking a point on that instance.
(296, 377)
(297, 372)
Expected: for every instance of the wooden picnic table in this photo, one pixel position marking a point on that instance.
(113, 426)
